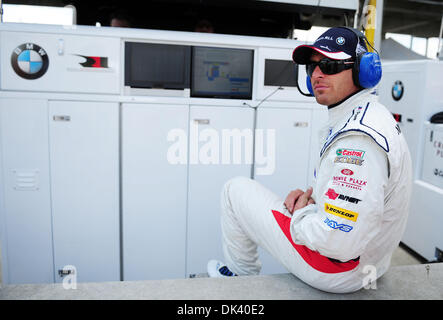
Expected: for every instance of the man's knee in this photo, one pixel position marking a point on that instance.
(236, 184)
(235, 188)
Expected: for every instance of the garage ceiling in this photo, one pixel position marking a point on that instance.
(420, 18)
(417, 17)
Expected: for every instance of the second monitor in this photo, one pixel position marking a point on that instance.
(222, 73)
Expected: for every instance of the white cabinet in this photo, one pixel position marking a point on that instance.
(292, 129)
(60, 184)
(281, 163)
(77, 64)
(83, 141)
(154, 190)
(423, 230)
(220, 148)
(133, 194)
(25, 208)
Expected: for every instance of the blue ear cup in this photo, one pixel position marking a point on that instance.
(367, 70)
(309, 85)
(369, 73)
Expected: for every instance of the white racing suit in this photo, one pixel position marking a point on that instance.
(362, 188)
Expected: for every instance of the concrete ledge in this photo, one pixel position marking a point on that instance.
(423, 281)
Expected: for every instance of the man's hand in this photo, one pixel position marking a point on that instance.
(298, 199)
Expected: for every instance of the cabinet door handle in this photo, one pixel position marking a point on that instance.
(65, 272)
(61, 47)
(61, 118)
(202, 121)
(301, 124)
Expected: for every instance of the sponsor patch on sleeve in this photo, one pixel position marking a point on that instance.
(338, 226)
(340, 212)
(349, 156)
(358, 154)
(333, 195)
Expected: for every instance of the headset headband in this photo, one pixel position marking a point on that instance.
(360, 35)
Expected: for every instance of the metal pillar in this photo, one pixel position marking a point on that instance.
(439, 51)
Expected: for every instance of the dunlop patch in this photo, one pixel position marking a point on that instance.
(340, 212)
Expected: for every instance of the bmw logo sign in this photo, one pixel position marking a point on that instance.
(29, 61)
(340, 41)
(397, 90)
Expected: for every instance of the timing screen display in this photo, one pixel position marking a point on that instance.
(222, 72)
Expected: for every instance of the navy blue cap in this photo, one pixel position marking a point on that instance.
(336, 43)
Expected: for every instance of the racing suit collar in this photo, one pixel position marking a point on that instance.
(347, 105)
(343, 100)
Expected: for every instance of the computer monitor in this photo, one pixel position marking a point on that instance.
(149, 65)
(280, 73)
(222, 73)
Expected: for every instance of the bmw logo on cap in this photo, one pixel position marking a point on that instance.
(340, 41)
(397, 90)
(30, 61)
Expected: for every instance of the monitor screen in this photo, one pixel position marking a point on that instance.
(222, 73)
(280, 73)
(149, 65)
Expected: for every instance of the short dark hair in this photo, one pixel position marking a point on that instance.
(203, 24)
(122, 15)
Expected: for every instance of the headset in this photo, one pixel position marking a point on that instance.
(367, 71)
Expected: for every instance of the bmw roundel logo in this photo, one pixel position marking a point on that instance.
(340, 40)
(29, 61)
(397, 90)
